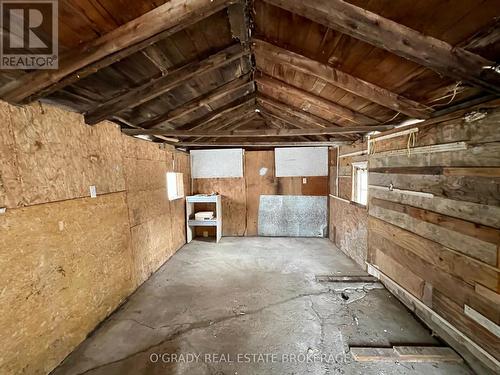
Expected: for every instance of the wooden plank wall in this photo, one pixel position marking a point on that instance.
(69, 260)
(241, 196)
(436, 232)
(348, 221)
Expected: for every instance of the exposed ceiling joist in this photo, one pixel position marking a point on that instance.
(398, 39)
(159, 86)
(123, 41)
(347, 82)
(257, 133)
(245, 103)
(204, 100)
(309, 98)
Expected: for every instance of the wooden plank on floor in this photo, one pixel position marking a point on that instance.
(426, 354)
(342, 279)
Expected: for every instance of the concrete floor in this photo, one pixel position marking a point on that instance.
(252, 306)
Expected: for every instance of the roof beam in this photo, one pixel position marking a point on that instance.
(158, 86)
(307, 118)
(257, 133)
(244, 103)
(309, 98)
(204, 100)
(125, 40)
(261, 144)
(396, 38)
(347, 82)
(238, 22)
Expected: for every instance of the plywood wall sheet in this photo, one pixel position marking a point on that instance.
(315, 186)
(289, 185)
(293, 216)
(151, 246)
(234, 202)
(349, 229)
(10, 187)
(143, 174)
(259, 179)
(178, 223)
(145, 205)
(141, 149)
(301, 161)
(65, 267)
(59, 157)
(226, 163)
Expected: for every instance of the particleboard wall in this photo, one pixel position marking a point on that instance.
(437, 233)
(348, 220)
(241, 196)
(68, 260)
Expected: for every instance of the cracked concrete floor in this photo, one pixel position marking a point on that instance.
(252, 306)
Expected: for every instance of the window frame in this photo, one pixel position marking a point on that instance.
(179, 185)
(356, 192)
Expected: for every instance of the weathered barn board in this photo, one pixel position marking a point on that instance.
(482, 190)
(448, 260)
(349, 229)
(77, 256)
(480, 213)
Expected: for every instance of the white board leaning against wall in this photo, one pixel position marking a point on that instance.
(221, 163)
(301, 161)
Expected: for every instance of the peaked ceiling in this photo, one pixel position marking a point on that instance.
(203, 73)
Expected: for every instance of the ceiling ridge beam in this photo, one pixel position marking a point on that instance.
(338, 78)
(123, 41)
(200, 101)
(257, 133)
(158, 86)
(318, 101)
(398, 39)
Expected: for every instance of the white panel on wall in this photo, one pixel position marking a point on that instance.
(301, 161)
(217, 163)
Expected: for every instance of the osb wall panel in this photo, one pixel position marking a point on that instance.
(349, 229)
(52, 145)
(65, 267)
(438, 226)
(69, 261)
(234, 201)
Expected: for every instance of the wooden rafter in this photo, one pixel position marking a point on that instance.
(159, 86)
(237, 84)
(246, 103)
(347, 82)
(125, 40)
(257, 133)
(308, 98)
(396, 38)
(292, 112)
(238, 22)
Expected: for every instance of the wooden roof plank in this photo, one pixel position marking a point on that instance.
(398, 39)
(123, 41)
(307, 97)
(158, 86)
(340, 79)
(201, 101)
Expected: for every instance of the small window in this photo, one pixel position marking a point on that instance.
(175, 185)
(360, 183)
